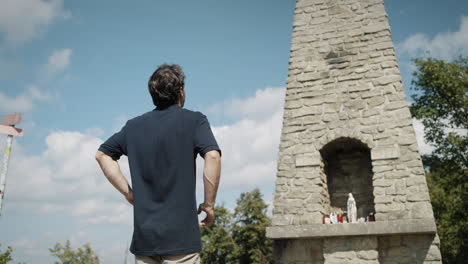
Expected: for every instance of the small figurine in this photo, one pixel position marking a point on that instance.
(371, 217)
(352, 210)
(340, 218)
(333, 218)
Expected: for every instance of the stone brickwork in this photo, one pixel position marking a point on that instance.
(409, 249)
(344, 86)
(362, 250)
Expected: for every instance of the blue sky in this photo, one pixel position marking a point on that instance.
(77, 70)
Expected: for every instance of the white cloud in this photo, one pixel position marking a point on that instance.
(250, 145)
(101, 211)
(265, 103)
(24, 246)
(23, 102)
(424, 147)
(22, 20)
(69, 179)
(447, 45)
(58, 61)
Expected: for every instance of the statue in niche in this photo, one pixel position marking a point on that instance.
(352, 210)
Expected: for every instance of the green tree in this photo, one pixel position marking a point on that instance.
(441, 103)
(5, 257)
(218, 245)
(68, 255)
(249, 229)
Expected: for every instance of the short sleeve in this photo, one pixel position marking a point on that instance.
(204, 138)
(115, 146)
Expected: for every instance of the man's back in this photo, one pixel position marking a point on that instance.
(161, 146)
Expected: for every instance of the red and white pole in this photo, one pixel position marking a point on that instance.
(8, 127)
(6, 159)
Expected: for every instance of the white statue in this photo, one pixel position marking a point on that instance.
(352, 210)
(334, 218)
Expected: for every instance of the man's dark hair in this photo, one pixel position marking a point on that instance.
(165, 83)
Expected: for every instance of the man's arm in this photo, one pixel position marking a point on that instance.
(211, 176)
(111, 170)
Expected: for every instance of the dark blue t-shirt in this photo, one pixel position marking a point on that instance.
(162, 146)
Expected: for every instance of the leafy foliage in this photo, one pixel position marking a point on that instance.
(5, 257)
(219, 247)
(441, 102)
(239, 238)
(68, 255)
(249, 230)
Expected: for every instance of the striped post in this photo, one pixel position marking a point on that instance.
(8, 128)
(6, 159)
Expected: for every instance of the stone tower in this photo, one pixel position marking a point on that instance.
(347, 129)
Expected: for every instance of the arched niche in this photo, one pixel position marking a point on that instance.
(348, 167)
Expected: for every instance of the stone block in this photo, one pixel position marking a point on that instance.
(298, 251)
(280, 220)
(307, 120)
(406, 140)
(420, 210)
(331, 108)
(418, 197)
(385, 152)
(312, 76)
(356, 104)
(292, 129)
(303, 148)
(389, 64)
(419, 180)
(382, 183)
(371, 93)
(396, 174)
(396, 105)
(384, 80)
(368, 254)
(330, 117)
(433, 254)
(306, 160)
(383, 45)
(383, 199)
(313, 101)
(305, 111)
(293, 104)
(376, 101)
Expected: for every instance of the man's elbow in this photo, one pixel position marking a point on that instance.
(213, 155)
(99, 155)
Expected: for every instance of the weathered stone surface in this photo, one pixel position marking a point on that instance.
(419, 226)
(312, 76)
(385, 152)
(384, 80)
(344, 89)
(304, 160)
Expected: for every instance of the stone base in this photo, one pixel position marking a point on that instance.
(403, 249)
(414, 226)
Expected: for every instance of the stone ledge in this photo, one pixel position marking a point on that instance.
(380, 228)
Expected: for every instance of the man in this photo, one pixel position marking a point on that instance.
(162, 146)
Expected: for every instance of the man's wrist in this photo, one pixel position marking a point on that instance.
(208, 204)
